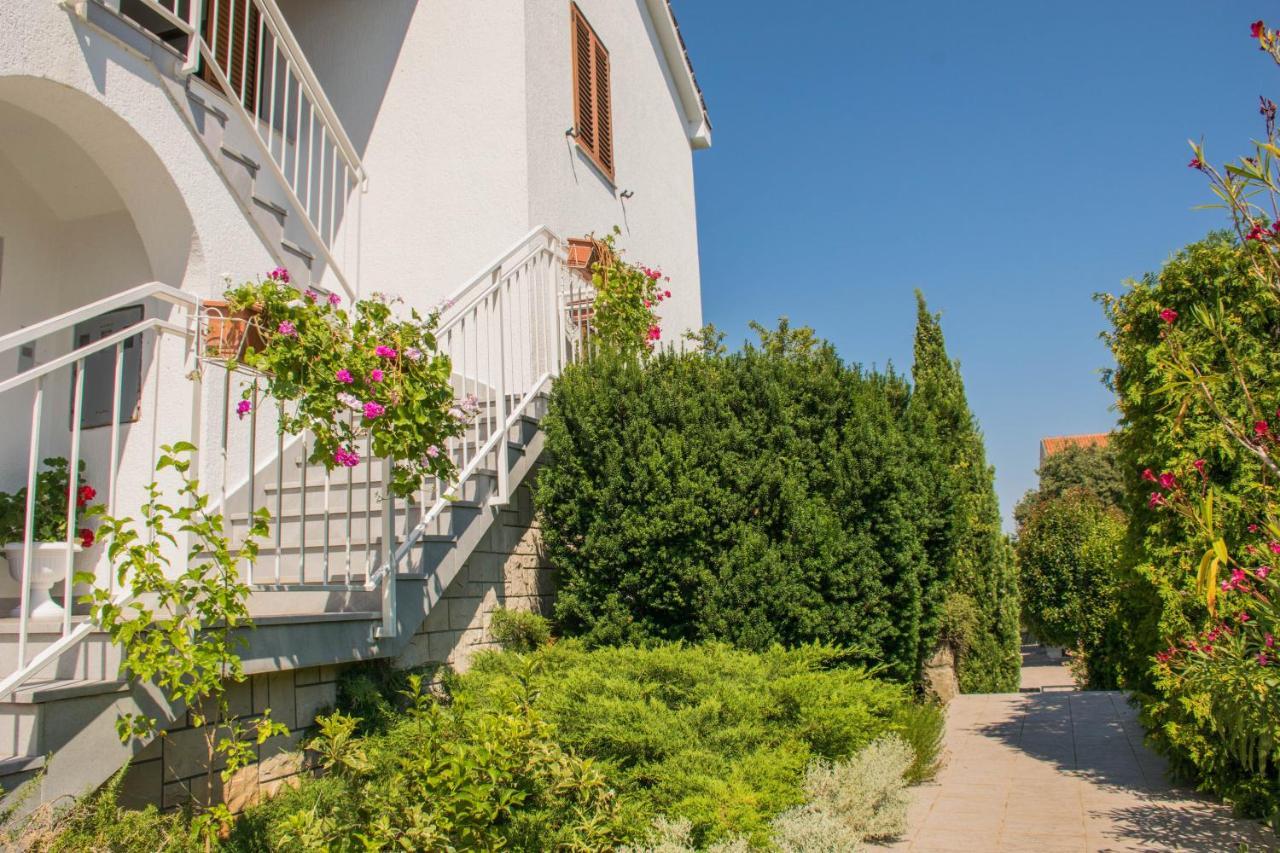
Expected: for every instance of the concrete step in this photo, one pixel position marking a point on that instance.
(93, 658)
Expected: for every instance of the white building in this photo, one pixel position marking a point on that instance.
(423, 148)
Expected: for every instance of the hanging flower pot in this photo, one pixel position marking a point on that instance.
(229, 332)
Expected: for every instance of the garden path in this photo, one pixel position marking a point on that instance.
(1060, 770)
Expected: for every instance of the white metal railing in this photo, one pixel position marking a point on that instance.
(67, 371)
(248, 51)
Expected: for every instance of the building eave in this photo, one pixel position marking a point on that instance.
(692, 102)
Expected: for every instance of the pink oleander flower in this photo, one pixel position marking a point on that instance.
(1167, 480)
(385, 352)
(1243, 616)
(1169, 315)
(373, 410)
(375, 375)
(287, 329)
(1260, 428)
(1257, 232)
(335, 299)
(1199, 466)
(243, 408)
(1155, 500)
(433, 451)
(1269, 641)
(413, 354)
(346, 457)
(1257, 29)
(1262, 572)
(344, 376)
(1148, 475)
(1274, 546)
(279, 274)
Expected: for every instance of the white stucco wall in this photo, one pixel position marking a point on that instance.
(460, 108)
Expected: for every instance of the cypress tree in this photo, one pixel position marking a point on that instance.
(973, 600)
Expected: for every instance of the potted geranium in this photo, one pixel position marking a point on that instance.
(54, 492)
(363, 371)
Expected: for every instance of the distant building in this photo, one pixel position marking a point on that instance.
(1058, 443)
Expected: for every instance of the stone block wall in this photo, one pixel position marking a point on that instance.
(507, 569)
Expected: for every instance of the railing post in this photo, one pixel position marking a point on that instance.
(503, 460)
(388, 628)
(193, 40)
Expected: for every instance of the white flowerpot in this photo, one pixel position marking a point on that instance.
(48, 566)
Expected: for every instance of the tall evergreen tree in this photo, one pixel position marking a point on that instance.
(977, 607)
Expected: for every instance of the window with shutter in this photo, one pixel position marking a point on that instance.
(593, 118)
(232, 28)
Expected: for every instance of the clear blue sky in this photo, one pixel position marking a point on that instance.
(1009, 159)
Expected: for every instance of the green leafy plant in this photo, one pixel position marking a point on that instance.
(180, 627)
(519, 630)
(624, 311)
(53, 494)
(354, 373)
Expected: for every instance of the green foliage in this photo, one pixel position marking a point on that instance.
(354, 373)
(1068, 555)
(519, 630)
(772, 495)
(624, 317)
(964, 542)
(53, 493)
(716, 736)
(444, 777)
(1094, 469)
(179, 628)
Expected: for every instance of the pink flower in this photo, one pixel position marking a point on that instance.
(1260, 428)
(335, 299)
(1274, 546)
(1199, 466)
(1269, 641)
(1195, 163)
(1263, 660)
(1148, 475)
(1155, 500)
(279, 274)
(373, 410)
(243, 408)
(310, 295)
(1262, 572)
(346, 457)
(654, 333)
(1167, 480)
(1243, 616)
(1257, 232)
(344, 376)
(375, 375)
(287, 329)
(385, 352)
(648, 304)
(1257, 29)
(413, 354)
(1169, 315)
(1253, 528)
(433, 451)
(666, 294)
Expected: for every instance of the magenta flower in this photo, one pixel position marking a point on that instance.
(344, 376)
(372, 410)
(1256, 29)
(346, 457)
(1195, 163)
(279, 274)
(1263, 660)
(310, 295)
(1243, 616)
(243, 408)
(1155, 500)
(1269, 641)
(385, 352)
(1262, 572)
(433, 451)
(375, 375)
(287, 329)
(1253, 528)
(1199, 466)
(1148, 475)
(335, 299)
(1167, 480)
(1169, 315)
(1260, 428)
(666, 294)
(654, 333)
(1274, 546)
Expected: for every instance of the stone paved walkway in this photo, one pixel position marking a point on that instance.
(1061, 770)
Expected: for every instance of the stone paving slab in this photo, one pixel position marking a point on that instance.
(1061, 771)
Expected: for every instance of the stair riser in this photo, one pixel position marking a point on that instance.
(19, 730)
(95, 658)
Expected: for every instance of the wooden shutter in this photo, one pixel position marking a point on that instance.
(592, 111)
(233, 17)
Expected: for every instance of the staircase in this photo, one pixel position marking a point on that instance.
(347, 572)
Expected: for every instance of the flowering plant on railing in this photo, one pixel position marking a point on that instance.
(54, 494)
(624, 312)
(352, 374)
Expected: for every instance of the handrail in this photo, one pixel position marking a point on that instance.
(81, 353)
(454, 300)
(68, 319)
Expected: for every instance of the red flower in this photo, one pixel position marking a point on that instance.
(86, 537)
(1257, 29)
(1148, 475)
(1253, 528)
(1195, 164)
(86, 494)
(1155, 500)
(1257, 232)
(1167, 480)
(1260, 428)
(1169, 315)
(1199, 466)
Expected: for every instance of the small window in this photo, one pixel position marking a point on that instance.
(100, 369)
(592, 116)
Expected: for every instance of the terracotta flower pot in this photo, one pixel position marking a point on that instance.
(48, 566)
(229, 334)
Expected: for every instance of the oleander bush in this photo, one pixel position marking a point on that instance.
(772, 495)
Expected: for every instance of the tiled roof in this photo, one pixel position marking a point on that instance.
(1057, 443)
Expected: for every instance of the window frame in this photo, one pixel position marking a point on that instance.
(602, 156)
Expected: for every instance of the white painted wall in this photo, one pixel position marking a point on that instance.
(460, 107)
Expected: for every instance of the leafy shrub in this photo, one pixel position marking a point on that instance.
(1067, 550)
(716, 736)
(1094, 469)
(772, 495)
(519, 630)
